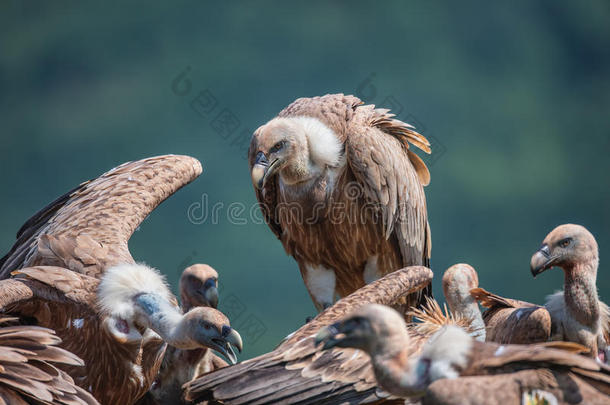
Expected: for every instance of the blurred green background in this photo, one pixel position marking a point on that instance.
(515, 98)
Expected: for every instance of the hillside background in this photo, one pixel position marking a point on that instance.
(516, 99)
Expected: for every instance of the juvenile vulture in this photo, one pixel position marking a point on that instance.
(577, 314)
(298, 372)
(339, 186)
(86, 231)
(457, 282)
(496, 374)
(28, 368)
(198, 288)
(118, 325)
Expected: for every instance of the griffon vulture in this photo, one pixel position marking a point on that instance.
(496, 374)
(339, 186)
(298, 372)
(86, 231)
(577, 314)
(198, 288)
(457, 282)
(118, 325)
(28, 368)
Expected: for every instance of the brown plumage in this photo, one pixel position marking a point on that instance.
(28, 368)
(87, 231)
(577, 313)
(431, 318)
(109, 323)
(198, 288)
(513, 321)
(451, 355)
(339, 186)
(463, 311)
(298, 372)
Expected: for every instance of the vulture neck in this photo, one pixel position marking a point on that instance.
(468, 308)
(393, 369)
(162, 317)
(580, 292)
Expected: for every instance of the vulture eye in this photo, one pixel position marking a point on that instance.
(565, 242)
(277, 146)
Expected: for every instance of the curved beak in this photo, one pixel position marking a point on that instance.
(542, 260)
(210, 292)
(330, 336)
(263, 170)
(223, 345)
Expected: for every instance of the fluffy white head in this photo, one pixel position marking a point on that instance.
(121, 283)
(447, 351)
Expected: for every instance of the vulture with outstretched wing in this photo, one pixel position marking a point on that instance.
(119, 325)
(340, 187)
(75, 275)
(298, 372)
(453, 368)
(87, 229)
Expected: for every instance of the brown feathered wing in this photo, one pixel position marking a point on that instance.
(512, 321)
(298, 372)
(87, 229)
(28, 372)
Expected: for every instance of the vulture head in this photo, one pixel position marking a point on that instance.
(136, 299)
(207, 327)
(382, 333)
(199, 287)
(372, 328)
(297, 149)
(458, 280)
(568, 246)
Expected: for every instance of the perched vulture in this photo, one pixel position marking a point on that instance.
(118, 325)
(339, 186)
(577, 314)
(84, 233)
(487, 373)
(298, 372)
(198, 288)
(28, 372)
